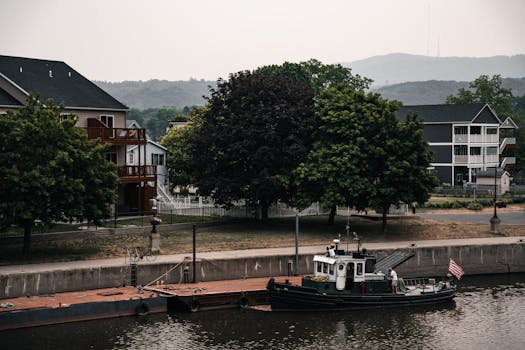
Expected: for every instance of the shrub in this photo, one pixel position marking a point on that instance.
(474, 206)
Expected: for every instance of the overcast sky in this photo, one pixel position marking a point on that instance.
(178, 39)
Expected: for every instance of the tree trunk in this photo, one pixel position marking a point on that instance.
(385, 211)
(331, 216)
(264, 211)
(28, 224)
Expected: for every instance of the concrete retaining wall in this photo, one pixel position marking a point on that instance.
(433, 261)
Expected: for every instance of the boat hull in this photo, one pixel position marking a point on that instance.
(293, 297)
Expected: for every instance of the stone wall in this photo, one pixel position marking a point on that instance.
(432, 261)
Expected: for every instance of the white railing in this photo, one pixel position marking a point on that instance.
(460, 159)
(506, 141)
(492, 158)
(508, 161)
(477, 159)
(460, 137)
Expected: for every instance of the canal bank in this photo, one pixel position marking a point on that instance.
(476, 256)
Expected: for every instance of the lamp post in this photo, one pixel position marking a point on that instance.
(495, 221)
(154, 237)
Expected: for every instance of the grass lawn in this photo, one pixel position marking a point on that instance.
(248, 234)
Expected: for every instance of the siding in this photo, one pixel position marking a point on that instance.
(441, 154)
(437, 132)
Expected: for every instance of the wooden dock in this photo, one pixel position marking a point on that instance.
(126, 301)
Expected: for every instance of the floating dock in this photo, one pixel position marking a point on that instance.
(42, 310)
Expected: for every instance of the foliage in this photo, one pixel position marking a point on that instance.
(319, 76)
(156, 120)
(486, 90)
(362, 155)
(50, 171)
(255, 130)
(518, 107)
(474, 206)
(178, 142)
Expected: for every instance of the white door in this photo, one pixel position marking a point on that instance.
(341, 276)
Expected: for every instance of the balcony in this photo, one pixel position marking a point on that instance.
(460, 159)
(137, 173)
(116, 136)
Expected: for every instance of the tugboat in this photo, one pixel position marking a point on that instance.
(344, 281)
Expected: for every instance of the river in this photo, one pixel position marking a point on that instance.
(487, 313)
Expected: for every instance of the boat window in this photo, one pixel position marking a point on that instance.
(331, 269)
(359, 268)
(370, 265)
(319, 268)
(325, 268)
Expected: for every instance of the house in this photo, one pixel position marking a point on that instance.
(486, 180)
(465, 139)
(101, 115)
(154, 154)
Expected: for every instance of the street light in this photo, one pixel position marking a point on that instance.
(495, 221)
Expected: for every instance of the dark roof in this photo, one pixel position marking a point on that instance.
(8, 100)
(56, 80)
(442, 113)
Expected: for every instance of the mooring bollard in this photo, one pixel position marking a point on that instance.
(134, 274)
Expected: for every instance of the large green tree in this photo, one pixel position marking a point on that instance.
(362, 155)
(50, 171)
(255, 129)
(489, 90)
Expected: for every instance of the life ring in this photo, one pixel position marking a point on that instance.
(243, 302)
(195, 305)
(142, 309)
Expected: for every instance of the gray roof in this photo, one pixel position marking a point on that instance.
(490, 173)
(8, 100)
(442, 113)
(58, 81)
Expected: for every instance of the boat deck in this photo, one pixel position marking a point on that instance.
(125, 301)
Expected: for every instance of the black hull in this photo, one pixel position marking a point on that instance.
(290, 297)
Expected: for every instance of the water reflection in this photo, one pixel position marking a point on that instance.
(487, 313)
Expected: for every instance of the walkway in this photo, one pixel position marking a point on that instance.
(250, 253)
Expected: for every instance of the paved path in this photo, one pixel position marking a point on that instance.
(235, 254)
(507, 218)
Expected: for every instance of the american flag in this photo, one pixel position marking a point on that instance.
(455, 269)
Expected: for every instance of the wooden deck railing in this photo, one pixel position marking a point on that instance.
(137, 171)
(117, 134)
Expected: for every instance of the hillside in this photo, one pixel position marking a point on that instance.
(411, 79)
(435, 91)
(398, 68)
(158, 93)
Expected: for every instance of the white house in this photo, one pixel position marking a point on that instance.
(155, 154)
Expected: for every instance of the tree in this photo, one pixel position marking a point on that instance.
(486, 90)
(400, 164)
(50, 171)
(363, 155)
(255, 130)
(178, 141)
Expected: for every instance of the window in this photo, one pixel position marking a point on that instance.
(492, 131)
(359, 268)
(475, 130)
(319, 266)
(157, 159)
(475, 151)
(331, 269)
(491, 151)
(131, 158)
(460, 130)
(68, 116)
(325, 268)
(460, 150)
(108, 120)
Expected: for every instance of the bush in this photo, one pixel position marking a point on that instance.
(518, 200)
(474, 206)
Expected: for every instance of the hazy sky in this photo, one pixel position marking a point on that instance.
(178, 39)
